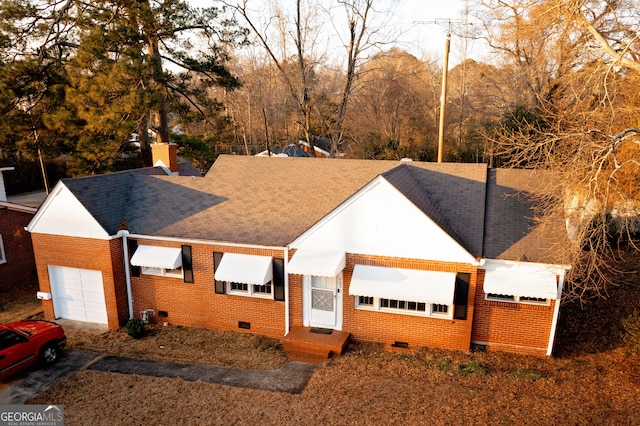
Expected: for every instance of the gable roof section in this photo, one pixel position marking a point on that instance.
(510, 230)
(107, 197)
(451, 194)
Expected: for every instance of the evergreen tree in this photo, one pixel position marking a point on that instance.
(110, 57)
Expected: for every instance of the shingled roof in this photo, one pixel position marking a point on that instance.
(512, 233)
(272, 200)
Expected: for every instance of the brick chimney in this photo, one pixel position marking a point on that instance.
(167, 154)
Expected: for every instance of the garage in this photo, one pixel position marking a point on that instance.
(78, 294)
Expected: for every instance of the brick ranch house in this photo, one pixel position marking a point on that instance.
(407, 254)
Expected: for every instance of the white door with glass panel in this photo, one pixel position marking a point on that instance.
(323, 301)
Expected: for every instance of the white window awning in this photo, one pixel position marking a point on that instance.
(524, 282)
(327, 263)
(157, 257)
(403, 284)
(245, 268)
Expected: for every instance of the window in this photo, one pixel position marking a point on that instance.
(516, 299)
(238, 287)
(256, 290)
(264, 289)
(365, 301)
(8, 338)
(161, 272)
(3, 258)
(439, 309)
(408, 307)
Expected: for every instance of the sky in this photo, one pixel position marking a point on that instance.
(426, 23)
(423, 24)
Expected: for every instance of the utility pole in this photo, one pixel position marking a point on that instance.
(445, 72)
(443, 95)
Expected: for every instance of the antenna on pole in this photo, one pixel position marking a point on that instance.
(445, 72)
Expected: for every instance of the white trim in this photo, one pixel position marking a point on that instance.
(36, 218)
(287, 327)
(91, 227)
(556, 312)
(3, 255)
(196, 241)
(18, 207)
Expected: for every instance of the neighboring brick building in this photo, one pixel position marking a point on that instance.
(403, 253)
(16, 253)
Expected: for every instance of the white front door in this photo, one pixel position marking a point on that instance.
(323, 301)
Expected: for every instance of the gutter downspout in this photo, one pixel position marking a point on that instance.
(286, 292)
(127, 275)
(556, 312)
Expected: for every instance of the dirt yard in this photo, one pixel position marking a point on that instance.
(591, 380)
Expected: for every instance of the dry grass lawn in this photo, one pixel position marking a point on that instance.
(591, 380)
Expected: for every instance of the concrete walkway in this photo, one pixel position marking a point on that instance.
(292, 377)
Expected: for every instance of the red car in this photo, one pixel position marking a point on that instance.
(24, 343)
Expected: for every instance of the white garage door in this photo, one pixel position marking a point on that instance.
(78, 294)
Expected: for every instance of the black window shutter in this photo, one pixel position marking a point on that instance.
(217, 257)
(278, 280)
(187, 264)
(461, 295)
(133, 246)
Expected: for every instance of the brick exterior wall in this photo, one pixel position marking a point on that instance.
(386, 327)
(18, 249)
(84, 253)
(198, 305)
(511, 327)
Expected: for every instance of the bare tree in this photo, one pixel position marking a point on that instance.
(582, 124)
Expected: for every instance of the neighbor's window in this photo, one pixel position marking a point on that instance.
(161, 272)
(516, 299)
(3, 258)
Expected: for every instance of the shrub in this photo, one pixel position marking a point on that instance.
(135, 328)
(631, 325)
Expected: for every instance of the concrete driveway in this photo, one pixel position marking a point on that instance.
(36, 380)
